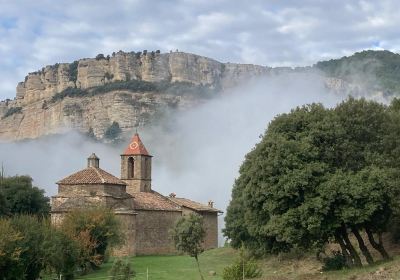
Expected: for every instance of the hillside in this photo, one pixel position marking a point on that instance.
(274, 268)
(374, 70)
(131, 89)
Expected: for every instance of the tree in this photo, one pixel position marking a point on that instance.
(23, 198)
(10, 250)
(318, 175)
(95, 230)
(61, 253)
(113, 132)
(188, 236)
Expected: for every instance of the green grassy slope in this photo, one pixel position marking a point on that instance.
(274, 268)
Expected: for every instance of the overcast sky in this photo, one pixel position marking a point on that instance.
(289, 33)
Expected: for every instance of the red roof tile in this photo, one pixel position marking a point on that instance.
(91, 175)
(136, 147)
(193, 204)
(153, 201)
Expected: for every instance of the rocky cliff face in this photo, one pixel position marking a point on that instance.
(33, 114)
(35, 111)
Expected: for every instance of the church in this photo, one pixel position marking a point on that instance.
(146, 215)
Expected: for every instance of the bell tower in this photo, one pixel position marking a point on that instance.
(136, 167)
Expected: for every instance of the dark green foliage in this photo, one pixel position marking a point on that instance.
(108, 76)
(319, 175)
(73, 71)
(113, 132)
(336, 262)
(121, 270)
(68, 92)
(100, 56)
(11, 111)
(176, 88)
(376, 69)
(62, 253)
(22, 198)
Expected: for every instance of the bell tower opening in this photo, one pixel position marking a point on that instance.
(131, 168)
(136, 167)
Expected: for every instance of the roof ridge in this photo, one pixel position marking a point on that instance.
(98, 173)
(167, 198)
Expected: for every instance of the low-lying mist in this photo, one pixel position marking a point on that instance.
(197, 153)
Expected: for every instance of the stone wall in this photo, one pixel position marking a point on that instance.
(153, 232)
(210, 226)
(91, 190)
(128, 226)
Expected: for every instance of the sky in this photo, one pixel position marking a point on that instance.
(273, 33)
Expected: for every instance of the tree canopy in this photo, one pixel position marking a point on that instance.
(318, 175)
(19, 196)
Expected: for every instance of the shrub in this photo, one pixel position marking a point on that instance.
(336, 262)
(73, 71)
(113, 131)
(11, 111)
(235, 271)
(100, 56)
(122, 270)
(68, 92)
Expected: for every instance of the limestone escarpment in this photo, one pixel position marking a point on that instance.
(35, 111)
(127, 88)
(92, 113)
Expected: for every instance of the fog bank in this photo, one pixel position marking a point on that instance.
(197, 153)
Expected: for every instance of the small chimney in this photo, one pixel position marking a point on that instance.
(93, 161)
(172, 195)
(211, 204)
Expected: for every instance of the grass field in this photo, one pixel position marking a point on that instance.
(174, 267)
(274, 268)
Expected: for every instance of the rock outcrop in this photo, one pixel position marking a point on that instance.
(35, 111)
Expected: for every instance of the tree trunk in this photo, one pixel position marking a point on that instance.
(362, 246)
(198, 266)
(345, 252)
(349, 246)
(377, 246)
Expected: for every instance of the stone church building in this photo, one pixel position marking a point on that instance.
(146, 215)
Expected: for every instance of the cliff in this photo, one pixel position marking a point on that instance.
(127, 88)
(44, 103)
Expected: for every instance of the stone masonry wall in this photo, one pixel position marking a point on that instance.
(128, 225)
(153, 232)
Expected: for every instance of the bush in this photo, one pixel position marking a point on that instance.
(122, 270)
(73, 71)
(113, 131)
(100, 56)
(11, 111)
(244, 264)
(235, 271)
(336, 262)
(68, 92)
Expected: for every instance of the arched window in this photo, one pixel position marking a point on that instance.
(131, 167)
(146, 168)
